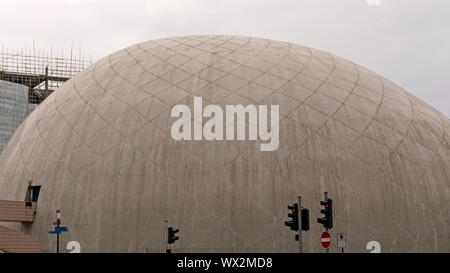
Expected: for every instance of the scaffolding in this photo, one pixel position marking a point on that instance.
(42, 73)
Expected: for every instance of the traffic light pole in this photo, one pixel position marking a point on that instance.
(165, 236)
(300, 248)
(325, 198)
(171, 237)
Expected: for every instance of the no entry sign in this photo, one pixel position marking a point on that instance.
(326, 239)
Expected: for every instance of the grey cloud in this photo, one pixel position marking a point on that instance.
(403, 40)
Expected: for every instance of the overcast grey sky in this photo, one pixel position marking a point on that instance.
(406, 41)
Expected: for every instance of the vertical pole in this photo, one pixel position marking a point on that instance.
(58, 223)
(166, 236)
(46, 82)
(300, 249)
(325, 197)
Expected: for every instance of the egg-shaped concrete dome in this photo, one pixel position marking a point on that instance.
(102, 149)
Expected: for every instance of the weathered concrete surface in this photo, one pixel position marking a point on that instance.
(100, 146)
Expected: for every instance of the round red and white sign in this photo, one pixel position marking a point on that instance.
(326, 239)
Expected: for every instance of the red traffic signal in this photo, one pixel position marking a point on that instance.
(293, 223)
(171, 238)
(327, 219)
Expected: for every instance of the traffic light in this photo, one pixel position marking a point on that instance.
(293, 224)
(327, 220)
(305, 219)
(171, 238)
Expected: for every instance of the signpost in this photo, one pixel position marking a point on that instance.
(325, 198)
(300, 247)
(326, 240)
(58, 229)
(341, 241)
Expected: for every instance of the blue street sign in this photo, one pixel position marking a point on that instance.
(59, 230)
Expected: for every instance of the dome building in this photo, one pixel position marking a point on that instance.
(103, 149)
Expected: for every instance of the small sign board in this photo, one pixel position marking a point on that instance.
(325, 239)
(59, 230)
(341, 240)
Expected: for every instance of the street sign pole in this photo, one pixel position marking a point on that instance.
(325, 197)
(58, 224)
(166, 236)
(341, 241)
(300, 249)
(58, 229)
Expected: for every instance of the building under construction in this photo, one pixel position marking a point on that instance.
(26, 79)
(41, 73)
